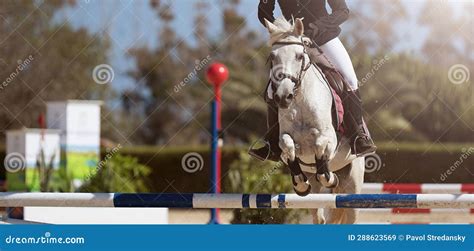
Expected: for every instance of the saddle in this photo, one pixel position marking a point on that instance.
(333, 76)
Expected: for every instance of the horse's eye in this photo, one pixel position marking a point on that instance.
(272, 56)
(299, 56)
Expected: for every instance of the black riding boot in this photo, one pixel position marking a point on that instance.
(271, 150)
(356, 131)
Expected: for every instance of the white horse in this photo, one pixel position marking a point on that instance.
(307, 136)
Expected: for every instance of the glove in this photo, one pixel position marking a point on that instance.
(316, 28)
(313, 30)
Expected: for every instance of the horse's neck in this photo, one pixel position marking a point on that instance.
(317, 95)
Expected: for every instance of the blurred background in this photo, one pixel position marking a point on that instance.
(413, 60)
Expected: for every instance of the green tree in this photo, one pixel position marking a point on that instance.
(43, 58)
(177, 110)
(160, 70)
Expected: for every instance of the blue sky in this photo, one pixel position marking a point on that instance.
(132, 23)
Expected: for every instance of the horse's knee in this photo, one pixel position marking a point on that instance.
(287, 145)
(324, 148)
(286, 142)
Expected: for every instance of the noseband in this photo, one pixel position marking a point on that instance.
(295, 79)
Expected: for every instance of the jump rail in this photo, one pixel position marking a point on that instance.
(450, 188)
(197, 200)
(418, 188)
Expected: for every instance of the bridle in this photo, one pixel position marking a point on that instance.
(304, 67)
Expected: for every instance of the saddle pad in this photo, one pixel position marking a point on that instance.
(339, 110)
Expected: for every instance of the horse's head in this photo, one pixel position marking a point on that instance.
(289, 59)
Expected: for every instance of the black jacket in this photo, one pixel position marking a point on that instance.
(313, 11)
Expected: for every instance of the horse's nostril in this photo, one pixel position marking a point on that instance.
(289, 97)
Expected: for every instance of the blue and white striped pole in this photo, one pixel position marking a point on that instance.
(237, 200)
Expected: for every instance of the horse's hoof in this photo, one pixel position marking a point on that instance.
(328, 180)
(335, 183)
(304, 193)
(302, 186)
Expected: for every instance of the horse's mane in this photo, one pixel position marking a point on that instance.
(285, 29)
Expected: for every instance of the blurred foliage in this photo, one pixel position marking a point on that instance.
(408, 100)
(63, 181)
(42, 58)
(123, 174)
(247, 175)
(44, 170)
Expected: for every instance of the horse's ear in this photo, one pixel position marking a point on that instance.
(270, 26)
(299, 27)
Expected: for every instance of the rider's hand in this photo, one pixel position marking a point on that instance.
(316, 29)
(313, 30)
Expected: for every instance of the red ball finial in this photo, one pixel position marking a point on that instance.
(217, 73)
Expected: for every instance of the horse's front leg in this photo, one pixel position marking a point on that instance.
(300, 181)
(323, 149)
(323, 175)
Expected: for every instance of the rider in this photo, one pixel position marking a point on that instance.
(324, 31)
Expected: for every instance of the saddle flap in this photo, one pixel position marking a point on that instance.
(338, 111)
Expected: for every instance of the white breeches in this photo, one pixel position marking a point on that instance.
(337, 54)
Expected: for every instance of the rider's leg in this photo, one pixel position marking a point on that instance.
(354, 123)
(361, 142)
(271, 150)
(335, 51)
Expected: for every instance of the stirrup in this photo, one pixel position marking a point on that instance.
(249, 151)
(354, 147)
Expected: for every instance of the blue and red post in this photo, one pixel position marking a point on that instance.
(217, 74)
